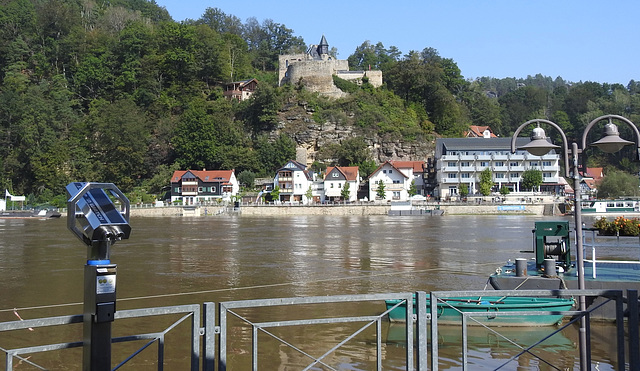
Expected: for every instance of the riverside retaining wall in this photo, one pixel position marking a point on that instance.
(358, 209)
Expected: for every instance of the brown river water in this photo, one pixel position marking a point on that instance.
(174, 261)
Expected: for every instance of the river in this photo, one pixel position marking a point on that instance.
(173, 260)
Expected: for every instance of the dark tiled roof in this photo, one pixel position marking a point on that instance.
(477, 144)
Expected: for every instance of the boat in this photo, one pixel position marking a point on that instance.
(450, 309)
(552, 267)
(611, 207)
(24, 214)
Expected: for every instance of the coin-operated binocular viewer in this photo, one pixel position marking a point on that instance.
(94, 218)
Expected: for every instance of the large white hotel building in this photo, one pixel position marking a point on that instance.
(461, 160)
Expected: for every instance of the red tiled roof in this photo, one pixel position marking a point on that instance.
(418, 166)
(204, 175)
(349, 172)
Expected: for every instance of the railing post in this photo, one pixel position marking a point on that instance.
(634, 330)
(421, 329)
(209, 342)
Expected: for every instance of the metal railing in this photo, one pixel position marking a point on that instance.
(216, 337)
(595, 241)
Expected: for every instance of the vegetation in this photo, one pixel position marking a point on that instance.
(531, 179)
(463, 190)
(618, 184)
(118, 92)
(486, 182)
(619, 226)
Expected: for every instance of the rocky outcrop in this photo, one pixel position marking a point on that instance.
(297, 122)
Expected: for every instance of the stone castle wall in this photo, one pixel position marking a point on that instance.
(317, 74)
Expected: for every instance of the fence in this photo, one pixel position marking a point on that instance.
(212, 354)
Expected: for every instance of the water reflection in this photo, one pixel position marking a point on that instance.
(172, 261)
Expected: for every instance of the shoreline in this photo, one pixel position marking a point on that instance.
(536, 209)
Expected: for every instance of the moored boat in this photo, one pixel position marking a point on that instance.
(611, 207)
(553, 269)
(450, 309)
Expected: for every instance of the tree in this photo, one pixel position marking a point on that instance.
(275, 194)
(463, 190)
(345, 193)
(380, 192)
(504, 190)
(618, 184)
(486, 182)
(531, 179)
(309, 194)
(247, 177)
(412, 189)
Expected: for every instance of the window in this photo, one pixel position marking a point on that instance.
(546, 163)
(515, 175)
(199, 189)
(453, 190)
(451, 164)
(484, 163)
(546, 175)
(396, 181)
(499, 163)
(331, 185)
(384, 171)
(499, 175)
(334, 174)
(213, 189)
(177, 190)
(452, 176)
(515, 163)
(339, 185)
(390, 171)
(464, 175)
(534, 163)
(465, 164)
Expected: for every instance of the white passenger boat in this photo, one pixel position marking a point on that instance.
(611, 207)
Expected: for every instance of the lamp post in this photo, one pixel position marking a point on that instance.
(610, 143)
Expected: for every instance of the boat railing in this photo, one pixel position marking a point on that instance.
(621, 246)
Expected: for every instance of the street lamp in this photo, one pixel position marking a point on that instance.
(611, 143)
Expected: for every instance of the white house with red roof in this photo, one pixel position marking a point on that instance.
(337, 178)
(397, 177)
(195, 187)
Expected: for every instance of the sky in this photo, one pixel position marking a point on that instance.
(587, 40)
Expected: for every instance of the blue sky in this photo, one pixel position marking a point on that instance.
(588, 40)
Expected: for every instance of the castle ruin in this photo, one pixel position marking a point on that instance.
(315, 70)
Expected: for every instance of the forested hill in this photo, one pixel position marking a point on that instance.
(116, 91)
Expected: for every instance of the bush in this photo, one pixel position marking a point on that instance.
(620, 225)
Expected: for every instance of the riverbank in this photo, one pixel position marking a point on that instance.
(537, 209)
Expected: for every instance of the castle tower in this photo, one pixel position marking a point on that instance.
(323, 47)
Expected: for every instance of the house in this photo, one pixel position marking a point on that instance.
(461, 160)
(479, 132)
(294, 182)
(590, 180)
(395, 183)
(193, 187)
(337, 179)
(240, 90)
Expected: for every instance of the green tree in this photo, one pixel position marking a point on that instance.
(247, 177)
(463, 190)
(486, 182)
(275, 193)
(412, 189)
(381, 192)
(309, 194)
(618, 184)
(345, 192)
(531, 179)
(504, 190)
